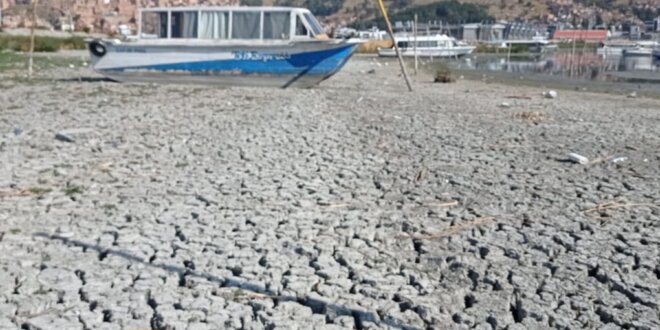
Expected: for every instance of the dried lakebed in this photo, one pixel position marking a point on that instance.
(352, 205)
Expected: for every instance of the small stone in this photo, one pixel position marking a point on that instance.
(64, 138)
(550, 94)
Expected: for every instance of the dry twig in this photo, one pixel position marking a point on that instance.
(451, 230)
(617, 204)
(447, 204)
(16, 193)
(335, 206)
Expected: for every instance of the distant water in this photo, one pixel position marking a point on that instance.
(588, 71)
(588, 66)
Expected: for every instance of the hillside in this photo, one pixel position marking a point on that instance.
(107, 15)
(548, 11)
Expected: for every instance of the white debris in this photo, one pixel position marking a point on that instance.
(579, 159)
(550, 94)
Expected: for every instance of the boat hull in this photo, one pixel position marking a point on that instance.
(301, 64)
(656, 54)
(637, 52)
(410, 52)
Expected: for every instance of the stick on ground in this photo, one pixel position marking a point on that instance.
(451, 230)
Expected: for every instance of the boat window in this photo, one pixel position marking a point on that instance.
(301, 30)
(154, 25)
(213, 25)
(245, 25)
(184, 24)
(402, 44)
(313, 24)
(427, 44)
(276, 25)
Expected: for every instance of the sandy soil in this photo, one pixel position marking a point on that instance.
(352, 205)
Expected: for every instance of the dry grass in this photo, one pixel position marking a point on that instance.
(25, 192)
(533, 116)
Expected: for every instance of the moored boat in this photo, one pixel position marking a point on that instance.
(642, 48)
(638, 51)
(615, 48)
(427, 46)
(231, 46)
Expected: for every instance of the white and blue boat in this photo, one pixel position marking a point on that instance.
(230, 46)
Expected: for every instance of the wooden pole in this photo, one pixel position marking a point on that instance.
(572, 55)
(396, 48)
(34, 22)
(508, 56)
(415, 49)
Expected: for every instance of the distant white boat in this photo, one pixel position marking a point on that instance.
(615, 48)
(642, 48)
(427, 46)
(230, 46)
(638, 51)
(628, 48)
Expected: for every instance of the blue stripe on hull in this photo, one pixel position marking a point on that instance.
(321, 63)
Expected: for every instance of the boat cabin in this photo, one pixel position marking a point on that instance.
(227, 23)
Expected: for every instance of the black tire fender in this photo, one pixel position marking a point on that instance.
(97, 48)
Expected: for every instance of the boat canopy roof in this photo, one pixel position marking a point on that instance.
(225, 8)
(436, 37)
(220, 23)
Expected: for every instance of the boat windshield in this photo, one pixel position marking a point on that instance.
(313, 24)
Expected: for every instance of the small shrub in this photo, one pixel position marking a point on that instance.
(443, 75)
(73, 190)
(41, 44)
(39, 190)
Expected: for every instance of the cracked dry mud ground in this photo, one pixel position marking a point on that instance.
(192, 207)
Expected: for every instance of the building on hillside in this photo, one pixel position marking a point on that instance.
(581, 35)
(491, 32)
(471, 32)
(524, 31)
(91, 15)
